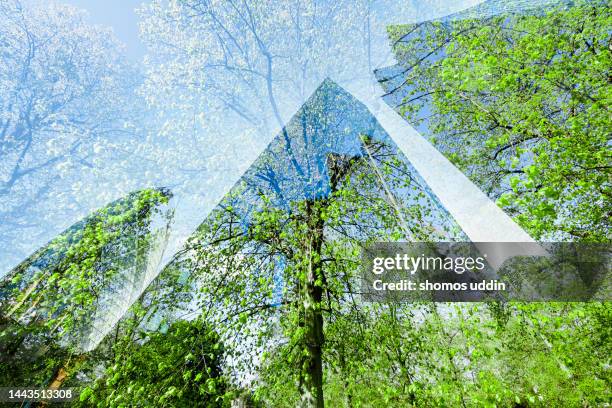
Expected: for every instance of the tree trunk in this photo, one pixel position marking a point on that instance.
(59, 378)
(311, 373)
(61, 374)
(344, 374)
(311, 384)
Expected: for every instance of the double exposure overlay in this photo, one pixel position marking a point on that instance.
(200, 202)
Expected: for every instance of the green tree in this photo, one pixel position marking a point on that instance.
(278, 260)
(520, 102)
(49, 303)
(176, 367)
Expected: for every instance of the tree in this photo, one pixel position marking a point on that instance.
(225, 76)
(275, 268)
(282, 249)
(173, 367)
(51, 303)
(520, 103)
(64, 87)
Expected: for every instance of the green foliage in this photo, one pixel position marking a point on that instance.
(27, 359)
(520, 103)
(49, 299)
(173, 368)
(445, 355)
(58, 287)
(312, 247)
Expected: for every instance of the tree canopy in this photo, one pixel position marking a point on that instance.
(520, 102)
(262, 305)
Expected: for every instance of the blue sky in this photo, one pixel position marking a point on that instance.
(118, 14)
